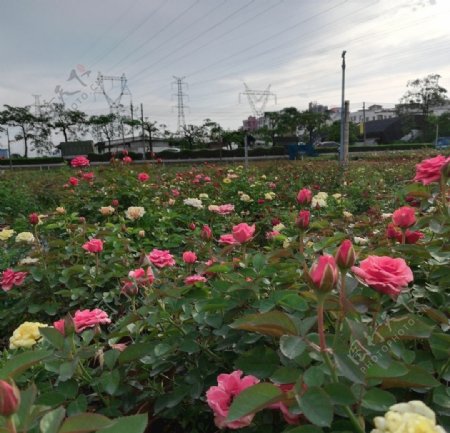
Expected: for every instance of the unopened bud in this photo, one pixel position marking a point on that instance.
(345, 255)
(9, 398)
(324, 274)
(302, 221)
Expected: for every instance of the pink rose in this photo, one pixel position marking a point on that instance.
(243, 232)
(127, 160)
(302, 221)
(80, 161)
(73, 181)
(193, 279)
(60, 325)
(225, 209)
(411, 237)
(220, 397)
(404, 217)
(119, 346)
(304, 196)
(272, 234)
(284, 408)
(88, 177)
(143, 177)
(189, 257)
(227, 239)
(161, 258)
(324, 273)
(384, 274)
(142, 277)
(345, 255)
(84, 319)
(10, 279)
(429, 170)
(93, 246)
(175, 192)
(206, 233)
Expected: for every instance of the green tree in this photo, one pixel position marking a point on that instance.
(194, 135)
(69, 122)
(102, 126)
(424, 93)
(24, 120)
(311, 122)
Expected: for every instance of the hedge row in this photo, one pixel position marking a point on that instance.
(214, 153)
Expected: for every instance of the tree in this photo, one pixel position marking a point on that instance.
(194, 134)
(103, 126)
(69, 122)
(424, 93)
(22, 118)
(333, 132)
(312, 121)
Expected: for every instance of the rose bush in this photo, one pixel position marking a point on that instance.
(141, 331)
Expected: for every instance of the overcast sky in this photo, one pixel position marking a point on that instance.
(293, 45)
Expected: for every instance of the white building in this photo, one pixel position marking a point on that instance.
(374, 112)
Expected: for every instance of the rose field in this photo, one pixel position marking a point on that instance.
(292, 296)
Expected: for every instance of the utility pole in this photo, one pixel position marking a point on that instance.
(9, 148)
(364, 122)
(132, 119)
(437, 133)
(341, 148)
(142, 122)
(346, 132)
(246, 152)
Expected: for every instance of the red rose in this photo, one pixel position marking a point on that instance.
(80, 161)
(9, 398)
(189, 257)
(33, 218)
(243, 232)
(84, 319)
(94, 246)
(9, 279)
(384, 274)
(143, 177)
(304, 196)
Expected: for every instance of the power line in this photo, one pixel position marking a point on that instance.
(164, 42)
(193, 39)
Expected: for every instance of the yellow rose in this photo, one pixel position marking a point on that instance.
(26, 335)
(412, 417)
(135, 212)
(5, 234)
(27, 237)
(226, 180)
(60, 210)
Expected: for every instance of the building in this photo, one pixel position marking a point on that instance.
(132, 144)
(253, 123)
(71, 149)
(373, 112)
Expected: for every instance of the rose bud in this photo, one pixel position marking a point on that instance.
(115, 203)
(141, 233)
(304, 196)
(302, 221)
(192, 226)
(33, 218)
(324, 274)
(206, 233)
(9, 398)
(345, 255)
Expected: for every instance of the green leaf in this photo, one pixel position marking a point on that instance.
(51, 421)
(303, 429)
(404, 328)
(273, 323)
(67, 370)
(260, 361)
(54, 337)
(317, 407)
(85, 423)
(19, 363)
(136, 351)
(253, 399)
(259, 262)
(27, 400)
(131, 424)
(416, 377)
(291, 346)
(110, 381)
(378, 400)
(313, 376)
(293, 301)
(349, 367)
(340, 394)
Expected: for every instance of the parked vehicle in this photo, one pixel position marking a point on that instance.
(443, 143)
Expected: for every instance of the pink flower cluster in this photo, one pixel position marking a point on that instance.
(220, 397)
(80, 161)
(161, 258)
(84, 319)
(10, 278)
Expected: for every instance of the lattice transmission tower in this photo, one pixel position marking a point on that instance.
(114, 102)
(257, 99)
(180, 102)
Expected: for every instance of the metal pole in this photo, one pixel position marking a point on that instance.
(346, 132)
(9, 148)
(364, 121)
(132, 120)
(246, 151)
(437, 133)
(341, 148)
